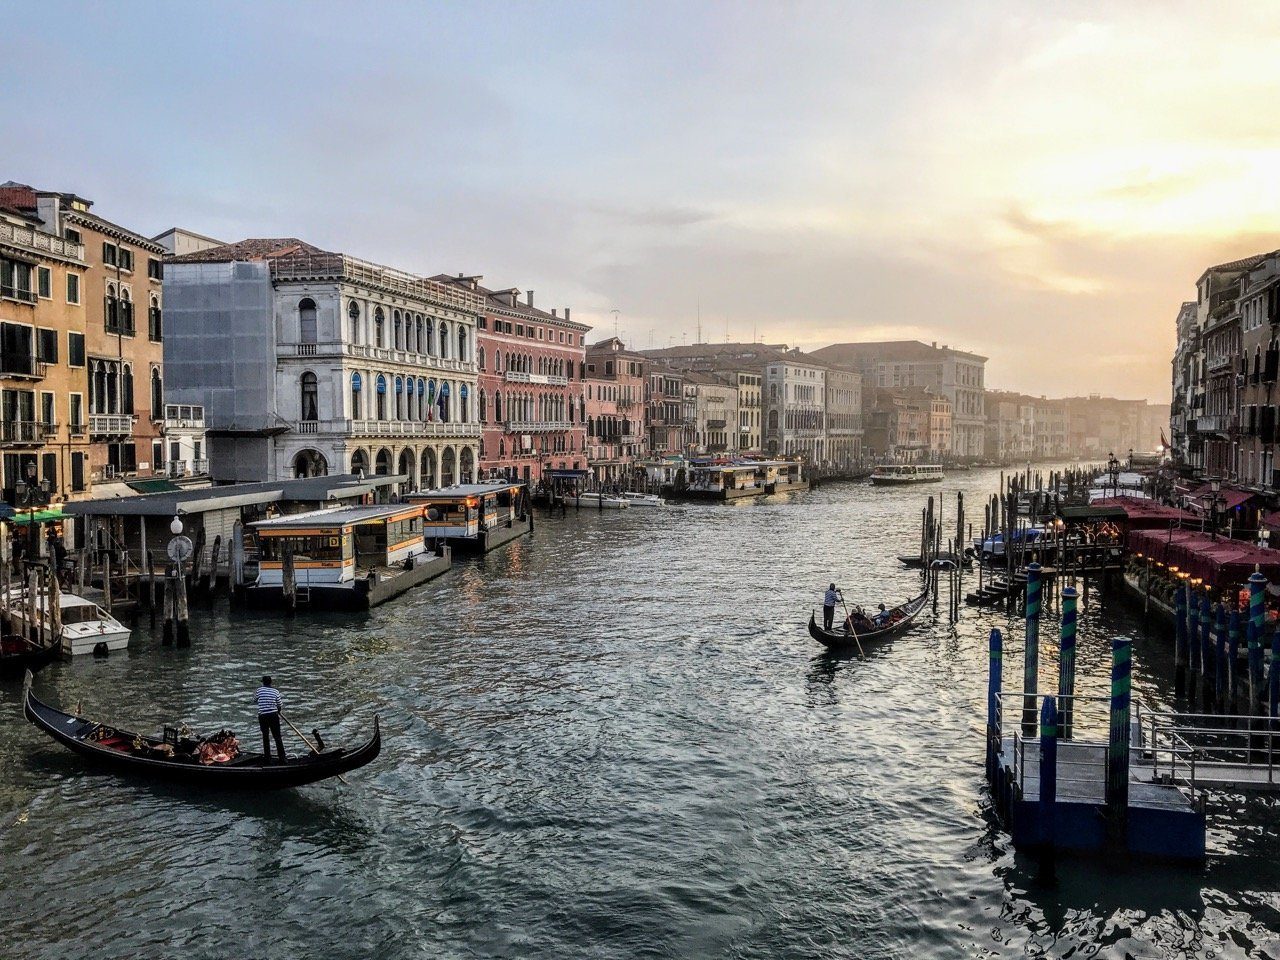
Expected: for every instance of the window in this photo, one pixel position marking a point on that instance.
(381, 398)
(44, 283)
(109, 253)
(155, 268)
(77, 468)
(307, 320)
(73, 287)
(379, 328)
(126, 390)
(48, 415)
(462, 343)
(356, 384)
(310, 397)
(157, 394)
(125, 256)
(75, 406)
(519, 329)
(15, 280)
(155, 326)
(47, 346)
(72, 236)
(75, 349)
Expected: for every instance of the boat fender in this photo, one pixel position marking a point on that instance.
(315, 733)
(100, 649)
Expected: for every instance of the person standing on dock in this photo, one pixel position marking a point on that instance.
(829, 601)
(269, 705)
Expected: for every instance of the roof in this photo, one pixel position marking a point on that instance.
(250, 249)
(890, 351)
(334, 516)
(1236, 266)
(465, 490)
(185, 232)
(204, 499)
(498, 300)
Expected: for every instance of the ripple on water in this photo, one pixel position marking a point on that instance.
(612, 740)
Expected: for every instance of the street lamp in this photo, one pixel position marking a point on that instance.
(1113, 467)
(176, 526)
(1214, 486)
(1264, 538)
(30, 493)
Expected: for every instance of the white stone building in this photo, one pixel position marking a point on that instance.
(795, 388)
(309, 362)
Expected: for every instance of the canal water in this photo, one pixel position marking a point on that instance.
(613, 739)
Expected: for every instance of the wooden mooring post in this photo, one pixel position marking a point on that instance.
(1048, 788)
(1180, 639)
(151, 586)
(182, 616)
(995, 669)
(1117, 788)
(1031, 658)
(1067, 661)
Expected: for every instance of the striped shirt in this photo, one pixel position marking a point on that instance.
(269, 700)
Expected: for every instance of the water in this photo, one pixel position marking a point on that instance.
(614, 739)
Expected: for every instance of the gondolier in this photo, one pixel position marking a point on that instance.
(829, 601)
(269, 705)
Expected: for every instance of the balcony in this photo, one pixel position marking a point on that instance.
(77, 429)
(48, 428)
(33, 239)
(538, 426)
(111, 424)
(1214, 423)
(20, 433)
(519, 376)
(9, 292)
(336, 348)
(188, 468)
(387, 428)
(716, 424)
(22, 365)
(183, 416)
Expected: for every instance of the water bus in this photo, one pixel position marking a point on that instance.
(345, 558)
(475, 517)
(897, 474)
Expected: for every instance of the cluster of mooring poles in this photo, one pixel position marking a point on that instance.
(934, 561)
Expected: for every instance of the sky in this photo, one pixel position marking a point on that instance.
(1041, 184)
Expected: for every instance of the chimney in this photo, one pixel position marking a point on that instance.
(934, 344)
(529, 295)
(553, 311)
(566, 313)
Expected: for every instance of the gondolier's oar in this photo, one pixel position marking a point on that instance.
(303, 738)
(848, 619)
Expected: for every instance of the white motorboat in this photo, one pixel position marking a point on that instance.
(644, 500)
(86, 627)
(603, 501)
(897, 474)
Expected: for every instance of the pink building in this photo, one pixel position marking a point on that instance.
(615, 408)
(529, 392)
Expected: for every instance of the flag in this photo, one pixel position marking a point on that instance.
(1164, 444)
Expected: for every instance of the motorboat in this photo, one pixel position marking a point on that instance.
(85, 626)
(644, 499)
(603, 501)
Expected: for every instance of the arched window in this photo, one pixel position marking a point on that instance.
(431, 337)
(480, 357)
(356, 383)
(497, 361)
(379, 328)
(398, 325)
(353, 321)
(126, 390)
(157, 394)
(360, 462)
(443, 403)
(483, 407)
(462, 343)
(444, 339)
(380, 401)
(464, 415)
(399, 398)
(417, 333)
(497, 407)
(310, 397)
(307, 320)
(422, 399)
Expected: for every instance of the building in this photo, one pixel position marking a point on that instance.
(121, 297)
(44, 434)
(530, 366)
(844, 417)
(750, 406)
(1188, 392)
(795, 387)
(712, 399)
(308, 362)
(896, 427)
(955, 374)
(178, 242)
(665, 424)
(614, 402)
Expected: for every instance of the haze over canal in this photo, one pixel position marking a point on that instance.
(614, 739)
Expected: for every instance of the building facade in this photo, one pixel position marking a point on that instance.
(614, 403)
(44, 438)
(308, 362)
(844, 417)
(955, 374)
(665, 424)
(795, 388)
(531, 366)
(712, 399)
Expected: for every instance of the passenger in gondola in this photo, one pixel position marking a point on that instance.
(829, 601)
(269, 705)
(881, 618)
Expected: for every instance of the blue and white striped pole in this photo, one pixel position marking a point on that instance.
(1118, 747)
(1067, 661)
(1031, 659)
(1049, 721)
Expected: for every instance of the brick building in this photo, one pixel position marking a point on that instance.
(615, 390)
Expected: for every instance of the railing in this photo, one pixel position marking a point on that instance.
(183, 416)
(1220, 749)
(111, 424)
(366, 351)
(77, 428)
(308, 266)
(1213, 423)
(716, 424)
(188, 468)
(22, 365)
(520, 376)
(20, 431)
(537, 426)
(387, 428)
(39, 240)
(10, 292)
(48, 427)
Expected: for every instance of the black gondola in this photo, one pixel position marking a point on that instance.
(899, 619)
(127, 752)
(19, 654)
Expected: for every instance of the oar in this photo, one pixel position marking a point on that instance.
(304, 739)
(848, 618)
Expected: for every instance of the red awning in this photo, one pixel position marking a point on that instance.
(1220, 562)
(1228, 499)
(1144, 514)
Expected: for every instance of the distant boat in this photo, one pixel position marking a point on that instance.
(897, 474)
(644, 500)
(895, 621)
(86, 627)
(603, 501)
(18, 655)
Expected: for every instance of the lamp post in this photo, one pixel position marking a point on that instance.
(30, 493)
(1113, 467)
(1264, 538)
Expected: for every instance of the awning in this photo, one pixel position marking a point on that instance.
(1228, 499)
(45, 515)
(1221, 562)
(153, 485)
(1142, 514)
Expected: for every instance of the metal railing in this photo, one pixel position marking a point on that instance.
(20, 431)
(1225, 749)
(388, 428)
(537, 426)
(520, 376)
(111, 424)
(17, 364)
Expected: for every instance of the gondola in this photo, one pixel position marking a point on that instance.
(129, 753)
(18, 655)
(899, 620)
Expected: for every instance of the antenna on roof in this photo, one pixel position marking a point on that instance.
(699, 340)
(615, 321)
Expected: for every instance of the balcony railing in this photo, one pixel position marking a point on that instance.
(716, 424)
(34, 239)
(111, 424)
(20, 432)
(22, 365)
(77, 429)
(1214, 423)
(387, 428)
(188, 468)
(365, 351)
(538, 426)
(48, 427)
(183, 416)
(10, 292)
(519, 376)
